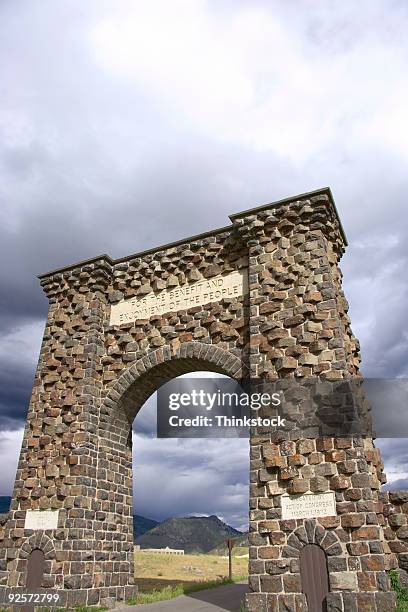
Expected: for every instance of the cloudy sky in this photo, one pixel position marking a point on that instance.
(127, 124)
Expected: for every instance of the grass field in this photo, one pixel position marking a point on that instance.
(239, 551)
(161, 577)
(155, 571)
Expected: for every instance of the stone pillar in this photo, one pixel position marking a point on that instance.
(300, 328)
(59, 466)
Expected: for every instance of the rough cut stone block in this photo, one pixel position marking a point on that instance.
(343, 581)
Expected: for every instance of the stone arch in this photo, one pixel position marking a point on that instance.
(38, 541)
(41, 541)
(138, 382)
(312, 532)
(121, 404)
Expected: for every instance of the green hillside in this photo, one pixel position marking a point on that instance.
(141, 524)
(194, 534)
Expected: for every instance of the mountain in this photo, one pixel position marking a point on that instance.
(199, 534)
(4, 503)
(194, 534)
(141, 524)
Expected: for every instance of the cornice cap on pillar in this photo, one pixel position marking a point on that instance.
(324, 191)
(80, 264)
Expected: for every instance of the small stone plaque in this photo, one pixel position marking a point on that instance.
(41, 519)
(183, 297)
(308, 505)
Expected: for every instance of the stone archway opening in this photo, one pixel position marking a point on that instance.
(139, 385)
(184, 477)
(176, 480)
(118, 412)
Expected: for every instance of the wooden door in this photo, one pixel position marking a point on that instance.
(35, 569)
(34, 576)
(314, 577)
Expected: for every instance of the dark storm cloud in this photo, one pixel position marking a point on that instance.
(18, 356)
(188, 470)
(120, 131)
(15, 393)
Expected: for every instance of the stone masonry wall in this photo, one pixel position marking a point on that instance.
(3, 520)
(393, 509)
(92, 378)
(300, 328)
(76, 454)
(223, 323)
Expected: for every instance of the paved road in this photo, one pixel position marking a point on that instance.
(225, 598)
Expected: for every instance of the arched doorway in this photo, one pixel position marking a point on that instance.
(182, 477)
(194, 489)
(35, 569)
(118, 411)
(35, 574)
(314, 577)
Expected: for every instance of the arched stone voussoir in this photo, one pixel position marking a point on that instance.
(189, 356)
(38, 540)
(314, 533)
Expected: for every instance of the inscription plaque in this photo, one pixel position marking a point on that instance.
(180, 298)
(41, 519)
(308, 505)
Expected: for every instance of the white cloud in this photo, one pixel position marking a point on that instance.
(395, 457)
(10, 445)
(188, 476)
(258, 78)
